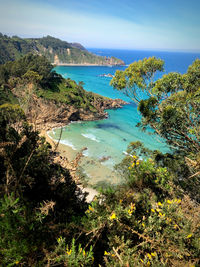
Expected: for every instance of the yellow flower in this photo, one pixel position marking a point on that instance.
(134, 157)
(175, 226)
(152, 210)
(137, 162)
(132, 206)
(69, 252)
(149, 256)
(153, 254)
(177, 200)
(106, 253)
(130, 212)
(168, 220)
(17, 262)
(113, 216)
(161, 215)
(141, 260)
(91, 209)
(169, 201)
(148, 263)
(143, 224)
(159, 204)
(189, 236)
(83, 252)
(113, 255)
(158, 210)
(133, 164)
(120, 201)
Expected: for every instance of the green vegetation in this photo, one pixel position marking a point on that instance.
(150, 220)
(35, 72)
(36, 193)
(55, 50)
(70, 93)
(172, 109)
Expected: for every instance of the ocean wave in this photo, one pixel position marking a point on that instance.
(91, 137)
(73, 122)
(68, 143)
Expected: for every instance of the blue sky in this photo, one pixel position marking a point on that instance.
(126, 24)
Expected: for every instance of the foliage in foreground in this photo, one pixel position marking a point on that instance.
(37, 195)
(148, 221)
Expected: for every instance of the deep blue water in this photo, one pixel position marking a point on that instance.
(111, 137)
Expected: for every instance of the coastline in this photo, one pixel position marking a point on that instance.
(86, 65)
(66, 154)
(97, 174)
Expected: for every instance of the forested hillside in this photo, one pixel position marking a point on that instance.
(55, 50)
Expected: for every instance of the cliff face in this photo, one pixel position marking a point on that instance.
(47, 114)
(56, 51)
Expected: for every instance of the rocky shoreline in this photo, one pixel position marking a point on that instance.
(64, 115)
(46, 114)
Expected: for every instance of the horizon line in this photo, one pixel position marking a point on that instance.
(148, 49)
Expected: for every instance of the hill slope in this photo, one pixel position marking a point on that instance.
(46, 98)
(56, 51)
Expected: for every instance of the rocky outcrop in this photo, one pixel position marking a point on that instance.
(47, 114)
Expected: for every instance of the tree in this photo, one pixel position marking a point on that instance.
(171, 106)
(138, 76)
(33, 68)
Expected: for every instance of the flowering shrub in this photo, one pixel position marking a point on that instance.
(143, 227)
(70, 255)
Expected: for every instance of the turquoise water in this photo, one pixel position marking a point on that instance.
(110, 137)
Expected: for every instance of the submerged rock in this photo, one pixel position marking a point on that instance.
(104, 158)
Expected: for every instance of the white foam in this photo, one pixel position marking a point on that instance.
(86, 153)
(72, 122)
(68, 143)
(91, 137)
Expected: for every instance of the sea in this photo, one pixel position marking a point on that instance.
(109, 138)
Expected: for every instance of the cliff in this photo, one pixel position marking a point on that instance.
(55, 50)
(46, 113)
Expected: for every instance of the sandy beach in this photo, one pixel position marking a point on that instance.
(97, 174)
(70, 154)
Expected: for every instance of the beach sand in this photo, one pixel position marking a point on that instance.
(97, 174)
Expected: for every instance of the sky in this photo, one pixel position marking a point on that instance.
(170, 25)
